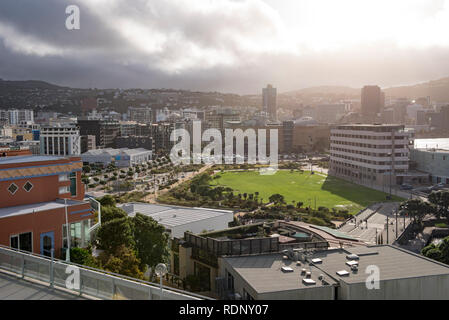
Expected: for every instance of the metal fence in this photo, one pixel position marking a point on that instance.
(246, 246)
(93, 282)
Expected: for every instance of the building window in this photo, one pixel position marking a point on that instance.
(79, 234)
(22, 241)
(63, 190)
(63, 177)
(73, 184)
(13, 188)
(28, 186)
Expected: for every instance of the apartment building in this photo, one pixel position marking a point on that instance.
(369, 154)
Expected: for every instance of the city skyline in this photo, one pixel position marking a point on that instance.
(232, 46)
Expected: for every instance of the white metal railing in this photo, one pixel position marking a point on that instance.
(93, 282)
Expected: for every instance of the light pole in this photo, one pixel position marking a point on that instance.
(67, 254)
(391, 169)
(161, 270)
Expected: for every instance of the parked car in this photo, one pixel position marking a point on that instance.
(406, 187)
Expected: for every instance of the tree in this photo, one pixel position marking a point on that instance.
(438, 252)
(82, 256)
(441, 201)
(151, 241)
(416, 208)
(123, 261)
(277, 198)
(114, 233)
(107, 200)
(110, 213)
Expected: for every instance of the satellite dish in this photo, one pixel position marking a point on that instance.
(161, 269)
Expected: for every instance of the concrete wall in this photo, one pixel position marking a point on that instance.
(421, 288)
(435, 163)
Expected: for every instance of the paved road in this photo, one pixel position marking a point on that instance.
(13, 288)
(372, 223)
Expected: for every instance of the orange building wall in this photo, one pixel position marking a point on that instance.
(41, 222)
(44, 189)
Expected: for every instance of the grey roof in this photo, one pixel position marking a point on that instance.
(263, 273)
(114, 152)
(30, 158)
(172, 215)
(36, 207)
(393, 263)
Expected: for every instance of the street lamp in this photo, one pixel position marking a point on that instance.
(391, 170)
(161, 270)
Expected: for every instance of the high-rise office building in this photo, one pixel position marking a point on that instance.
(60, 140)
(373, 102)
(269, 101)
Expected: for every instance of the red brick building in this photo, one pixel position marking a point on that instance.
(35, 192)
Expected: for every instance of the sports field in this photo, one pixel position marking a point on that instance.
(325, 190)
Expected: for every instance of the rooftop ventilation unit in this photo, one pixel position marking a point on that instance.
(352, 256)
(298, 263)
(286, 269)
(308, 281)
(303, 271)
(308, 274)
(320, 277)
(285, 257)
(355, 268)
(352, 263)
(317, 260)
(343, 273)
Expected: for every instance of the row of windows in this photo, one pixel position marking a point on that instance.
(354, 136)
(79, 237)
(13, 188)
(366, 145)
(28, 186)
(336, 164)
(382, 163)
(368, 153)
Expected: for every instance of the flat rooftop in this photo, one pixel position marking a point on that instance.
(172, 216)
(393, 263)
(30, 158)
(263, 272)
(35, 207)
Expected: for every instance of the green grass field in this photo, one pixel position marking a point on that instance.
(328, 191)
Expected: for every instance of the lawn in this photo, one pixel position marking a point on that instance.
(326, 191)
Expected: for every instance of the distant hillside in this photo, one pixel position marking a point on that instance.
(438, 90)
(28, 84)
(334, 90)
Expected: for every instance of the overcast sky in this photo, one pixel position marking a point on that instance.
(225, 45)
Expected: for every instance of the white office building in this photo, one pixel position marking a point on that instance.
(61, 140)
(123, 157)
(368, 154)
(178, 220)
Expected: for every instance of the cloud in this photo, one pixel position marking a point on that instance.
(226, 45)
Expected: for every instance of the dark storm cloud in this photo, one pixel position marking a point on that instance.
(224, 48)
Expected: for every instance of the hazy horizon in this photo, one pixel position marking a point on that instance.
(233, 46)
